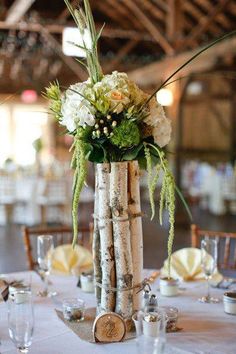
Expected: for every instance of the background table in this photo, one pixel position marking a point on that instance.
(206, 328)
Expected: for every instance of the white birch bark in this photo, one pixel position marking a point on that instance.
(121, 235)
(135, 230)
(106, 238)
(96, 245)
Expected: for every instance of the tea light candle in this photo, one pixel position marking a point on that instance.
(151, 324)
(19, 294)
(73, 310)
(87, 282)
(230, 303)
(169, 286)
(171, 318)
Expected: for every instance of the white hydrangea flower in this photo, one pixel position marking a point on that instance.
(76, 110)
(157, 113)
(162, 132)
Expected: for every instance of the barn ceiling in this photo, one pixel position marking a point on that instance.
(137, 34)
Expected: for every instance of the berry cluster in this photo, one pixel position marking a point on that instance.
(104, 127)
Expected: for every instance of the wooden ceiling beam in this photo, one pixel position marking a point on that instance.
(156, 72)
(65, 14)
(162, 4)
(69, 61)
(108, 32)
(123, 13)
(17, 10)
(197, 14)
(204, 23)
(126, 49)
(175, 21)
(153, 10)
(150, 27)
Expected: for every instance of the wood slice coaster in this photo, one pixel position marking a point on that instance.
(84, 329)
(109, 327)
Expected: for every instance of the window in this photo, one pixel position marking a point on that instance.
(20, 126)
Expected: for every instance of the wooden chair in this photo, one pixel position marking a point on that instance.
(226, 245)
(62, 235)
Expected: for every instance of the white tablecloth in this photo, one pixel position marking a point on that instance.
(206, 328)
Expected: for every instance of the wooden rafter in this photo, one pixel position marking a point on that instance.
(126, 49)
(155, 72)
(65, 13)
(123, 13)
(18, 10)
(108, 11)
(70, 62)
(174, 20)
(197, 14)
(162, 4)
(108, 32)
(152, 9)
(150, 27)
(205, 22)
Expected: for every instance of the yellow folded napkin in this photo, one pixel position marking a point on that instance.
(67, 260)
(186, 266)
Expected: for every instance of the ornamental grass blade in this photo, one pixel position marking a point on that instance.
(184, 202)
(189, 61)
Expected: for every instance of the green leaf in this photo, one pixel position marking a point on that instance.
(97, 154)
(132, 153)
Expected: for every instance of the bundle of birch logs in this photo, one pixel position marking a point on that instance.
(118, 240)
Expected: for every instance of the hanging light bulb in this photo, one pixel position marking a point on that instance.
(165, 97)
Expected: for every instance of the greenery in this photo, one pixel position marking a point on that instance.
(126, 134)
(112, 120)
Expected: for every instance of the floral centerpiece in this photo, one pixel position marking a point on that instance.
(120, 129)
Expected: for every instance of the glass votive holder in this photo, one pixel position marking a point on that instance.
(87, 282)
(73, 309)
(171, 318)
(19, 293)
(230, 302)
(169, 287)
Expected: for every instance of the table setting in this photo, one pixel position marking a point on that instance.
(61, 321)
(103, 300)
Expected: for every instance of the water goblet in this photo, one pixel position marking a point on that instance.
(21, 320)
(209, 253)
(45, 247)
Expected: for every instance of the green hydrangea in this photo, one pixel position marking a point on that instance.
(126, 134)
(84, 133)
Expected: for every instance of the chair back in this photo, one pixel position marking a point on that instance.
(62, 235)
(7, 190)
(226, 245)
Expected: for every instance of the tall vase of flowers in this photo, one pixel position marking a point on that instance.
(120, 129)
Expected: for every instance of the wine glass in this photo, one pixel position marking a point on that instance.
(209, 263)
(45, 247)
(21, 319)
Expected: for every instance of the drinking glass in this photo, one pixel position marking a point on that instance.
(21, 320)
(150, 336)
(45, 247)
(209, 263)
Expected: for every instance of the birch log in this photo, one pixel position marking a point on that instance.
(106, 238)
(121, 234)
(96, 246)
(135, 229)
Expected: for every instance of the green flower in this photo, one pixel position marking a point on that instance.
(84, 133)
(53, 94)
(126, 134)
